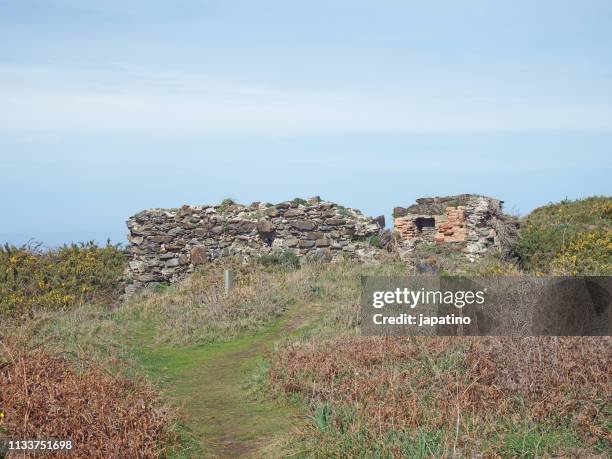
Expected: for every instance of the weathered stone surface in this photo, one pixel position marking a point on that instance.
(137, 240)
(272, 212)
(306, 244)
(303, 225)
(314, 235)
(166, 244)
(198, 255)
(380, 221)
(265, 226)
(172, 262)
(294, 213)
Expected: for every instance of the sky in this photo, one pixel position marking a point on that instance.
(110, 107)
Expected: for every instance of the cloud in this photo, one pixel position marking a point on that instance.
(56, 102)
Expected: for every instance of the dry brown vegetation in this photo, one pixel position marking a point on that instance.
(42, 396)
(557, 377)
(464, 389)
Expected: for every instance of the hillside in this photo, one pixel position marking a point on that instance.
(572, 237)
(278, 367)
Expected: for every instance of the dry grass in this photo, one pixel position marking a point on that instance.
(197, 311)
(557, 378)
(43, 397)
(463, 389)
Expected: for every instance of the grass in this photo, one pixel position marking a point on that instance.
(212, 376)
(277, 368)
(532, 440)
(219, 416)
(477, 396)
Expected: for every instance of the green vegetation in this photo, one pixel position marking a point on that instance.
(225, 204)
(283, 258)
(374, 240)
(344, 211)
(299, 201)
(572, 237)
(277, 368)
(31, 278)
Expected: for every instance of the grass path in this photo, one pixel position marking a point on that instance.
(210, 383)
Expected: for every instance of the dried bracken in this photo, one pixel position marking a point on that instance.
(435, 383)
(43, 397)
(557, 377)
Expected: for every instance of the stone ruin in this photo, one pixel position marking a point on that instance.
(168, 244)
(472, 223)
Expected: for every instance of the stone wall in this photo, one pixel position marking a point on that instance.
(168, 244)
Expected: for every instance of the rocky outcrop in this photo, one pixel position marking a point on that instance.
(168, 244)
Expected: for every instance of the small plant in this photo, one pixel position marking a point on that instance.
(344, 211)
(225, 204)
(283, 258)
(160, 287)
(322, 417)
(299, 201)
(374, 240)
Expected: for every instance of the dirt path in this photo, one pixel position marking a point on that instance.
(211, 384)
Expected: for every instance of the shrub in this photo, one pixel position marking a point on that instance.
(285, 259)
(586, 253)
(31, 278)
(547, 235)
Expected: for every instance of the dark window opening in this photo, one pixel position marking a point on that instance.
(424, 222)
(268, 238)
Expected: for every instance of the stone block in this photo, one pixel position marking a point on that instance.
(303, 225)
(198, 255)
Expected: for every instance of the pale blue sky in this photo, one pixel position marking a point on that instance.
(110, 107)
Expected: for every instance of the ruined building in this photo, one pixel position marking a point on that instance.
(168, 244)
(471, 223)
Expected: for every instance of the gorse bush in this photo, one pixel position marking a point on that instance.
(587, 253)
(31, 278)
(553, 235)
